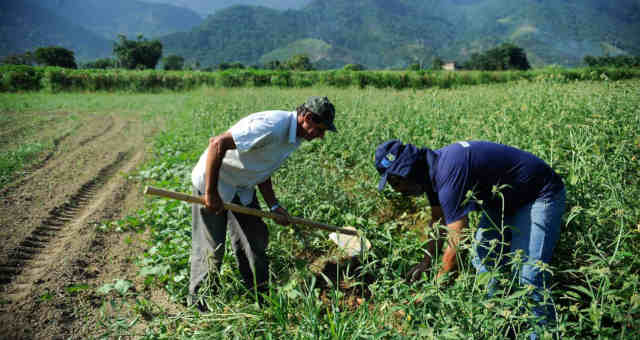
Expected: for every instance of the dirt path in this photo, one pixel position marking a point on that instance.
(52, 256)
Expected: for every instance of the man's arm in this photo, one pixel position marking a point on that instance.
(433, 246)
(218, 147)
(269, 196)
(449, 262)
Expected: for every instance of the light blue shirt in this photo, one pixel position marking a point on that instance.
(263, 141)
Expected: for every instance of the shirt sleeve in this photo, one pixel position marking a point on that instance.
(252, 133)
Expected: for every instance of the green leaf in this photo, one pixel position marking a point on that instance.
(583, 290)
(122, 286)
(106, 288)
(77, 288)
(157, 270)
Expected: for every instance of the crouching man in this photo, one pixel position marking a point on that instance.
(521, 199)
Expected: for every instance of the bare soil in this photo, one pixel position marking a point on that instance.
(52, 255)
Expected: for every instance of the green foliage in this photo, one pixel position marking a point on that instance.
(173, 63)
(18, 59)
(623, 61)
(353, 67)
(300, 62)
(437, 63)
(104, 63)
(55, 79)
(20, 78)
(504, 57)
(55, 56)
(230, 66)
(137, 54)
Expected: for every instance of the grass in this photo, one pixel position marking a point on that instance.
(586, 130)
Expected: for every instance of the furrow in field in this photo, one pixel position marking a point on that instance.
(58, 217)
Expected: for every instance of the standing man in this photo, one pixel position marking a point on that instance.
(511, 187)
(234, 163)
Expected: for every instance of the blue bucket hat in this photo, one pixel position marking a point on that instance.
(394, 158)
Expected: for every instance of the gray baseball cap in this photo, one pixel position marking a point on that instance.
(323, 109)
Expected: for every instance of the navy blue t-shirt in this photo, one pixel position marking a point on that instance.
(479, 166)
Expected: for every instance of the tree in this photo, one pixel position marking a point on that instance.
(437, 63)
(140, 54)
(55, 56)
(273, 65)
(173, 62)
(300, 62)
(504, 57)
(353, 67)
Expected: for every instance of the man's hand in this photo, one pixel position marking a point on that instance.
(214, 203)
(282, 220)
(416, 272)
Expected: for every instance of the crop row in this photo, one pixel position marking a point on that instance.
(53, 79)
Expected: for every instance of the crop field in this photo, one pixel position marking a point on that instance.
(586, 130)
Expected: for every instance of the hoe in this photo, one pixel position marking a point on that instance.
(347, 239)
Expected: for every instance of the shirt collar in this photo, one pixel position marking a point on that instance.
(293, 128)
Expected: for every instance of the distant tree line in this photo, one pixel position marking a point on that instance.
(143, 54)
(130, 54)
(616, 61)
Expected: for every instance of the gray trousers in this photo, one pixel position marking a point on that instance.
(249, 239)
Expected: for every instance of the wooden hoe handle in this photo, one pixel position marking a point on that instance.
(244, 210)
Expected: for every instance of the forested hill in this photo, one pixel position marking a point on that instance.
(128, 17)
(24, 25)
(87, 27)
(394, 33)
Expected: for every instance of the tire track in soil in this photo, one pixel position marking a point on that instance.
(58, 217)
(31, 171)
(49, 174)
(52, 241)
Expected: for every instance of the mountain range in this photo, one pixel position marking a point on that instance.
(206, 7)
(375, 33)
(87, 27)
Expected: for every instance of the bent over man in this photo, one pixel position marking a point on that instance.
(234, 163)
(511, 187)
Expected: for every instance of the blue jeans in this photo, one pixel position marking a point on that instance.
(534, 229)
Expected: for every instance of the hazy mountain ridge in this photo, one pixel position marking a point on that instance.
(393, 33)
(24, 26)
(128, 17)
(206, 7)
(87, 27)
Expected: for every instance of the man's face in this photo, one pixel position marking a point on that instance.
(405, 186)
(311, 128)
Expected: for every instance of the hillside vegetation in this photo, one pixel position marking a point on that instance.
(395, 33)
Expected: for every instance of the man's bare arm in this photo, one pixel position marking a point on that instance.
(449, 262)
(433, 246)
(218, 147)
